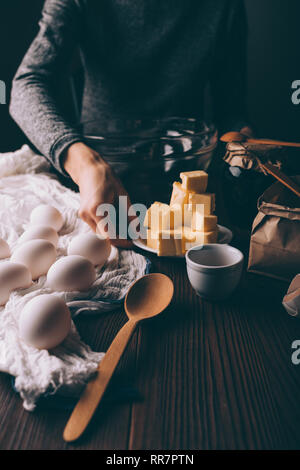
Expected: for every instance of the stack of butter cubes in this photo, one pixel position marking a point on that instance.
(188, 221)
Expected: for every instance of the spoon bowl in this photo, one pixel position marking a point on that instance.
(233, 137)
(149, 296)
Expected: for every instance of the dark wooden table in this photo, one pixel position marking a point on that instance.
(206, 376)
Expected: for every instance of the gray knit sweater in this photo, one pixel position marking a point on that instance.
(140, 58)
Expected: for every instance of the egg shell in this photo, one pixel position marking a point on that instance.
(93, 247)
(71, 273)
(47, 215)
(45, 322)
(37, 255)
(40, 232)
(4, 249)
(14, 276)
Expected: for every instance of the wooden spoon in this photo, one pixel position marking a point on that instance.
(148, 297)
(282, 177)
(239, 137)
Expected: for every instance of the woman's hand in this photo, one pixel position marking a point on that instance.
(97, 184)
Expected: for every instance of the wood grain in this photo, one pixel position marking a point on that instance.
(210, 376)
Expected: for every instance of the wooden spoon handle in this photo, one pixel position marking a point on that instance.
(94, 391)
(283, 178)
(273, 142)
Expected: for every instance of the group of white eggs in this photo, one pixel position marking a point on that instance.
(45, 321)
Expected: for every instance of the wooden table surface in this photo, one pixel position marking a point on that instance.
(204, 376)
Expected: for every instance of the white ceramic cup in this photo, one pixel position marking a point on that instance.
(214, 270)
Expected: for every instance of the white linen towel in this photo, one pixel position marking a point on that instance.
(24, 184)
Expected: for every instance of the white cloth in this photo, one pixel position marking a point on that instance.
(24, 184)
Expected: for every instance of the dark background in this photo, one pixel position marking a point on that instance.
(274, 63)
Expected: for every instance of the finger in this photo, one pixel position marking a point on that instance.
(102, 227)
(92, 224)
(88, 220)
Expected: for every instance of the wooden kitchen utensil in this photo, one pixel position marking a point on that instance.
(239, 137)
(282, 177)
(148, 297)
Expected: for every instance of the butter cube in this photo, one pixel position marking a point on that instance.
(207, 200)
(195, 181)
(192, 239)
(165, 242)
(188, 216)
(176, 216)
(170, 243)
(152, 239)
(166, 247)
(203, 223)
(154, 214)
(163, 217)
(180, 196)
(210, 237)
(177, 242)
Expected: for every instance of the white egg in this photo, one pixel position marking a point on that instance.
(47, 215)
(71, 273)
(45, 322)
(4, 249)
(40, 232)
(93, 247)
(14, 276)
(37, 255)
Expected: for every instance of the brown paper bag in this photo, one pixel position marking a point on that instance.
(275, 239)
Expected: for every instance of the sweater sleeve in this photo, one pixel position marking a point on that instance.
(229, 72)
(33, 105)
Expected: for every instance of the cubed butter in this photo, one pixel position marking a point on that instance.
(152, 239)
(180, 196)
(177, 242)
(165, 242)
(192, 239)
(210, 237)
(203, 223)
(187, 222)
(195, 181)
(207, 201)
(170, 243)
(187, 216)
(166, 247)
(163, 217)
(176, 216)
(153, 214)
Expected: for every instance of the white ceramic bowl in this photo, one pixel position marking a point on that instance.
(214, 270)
